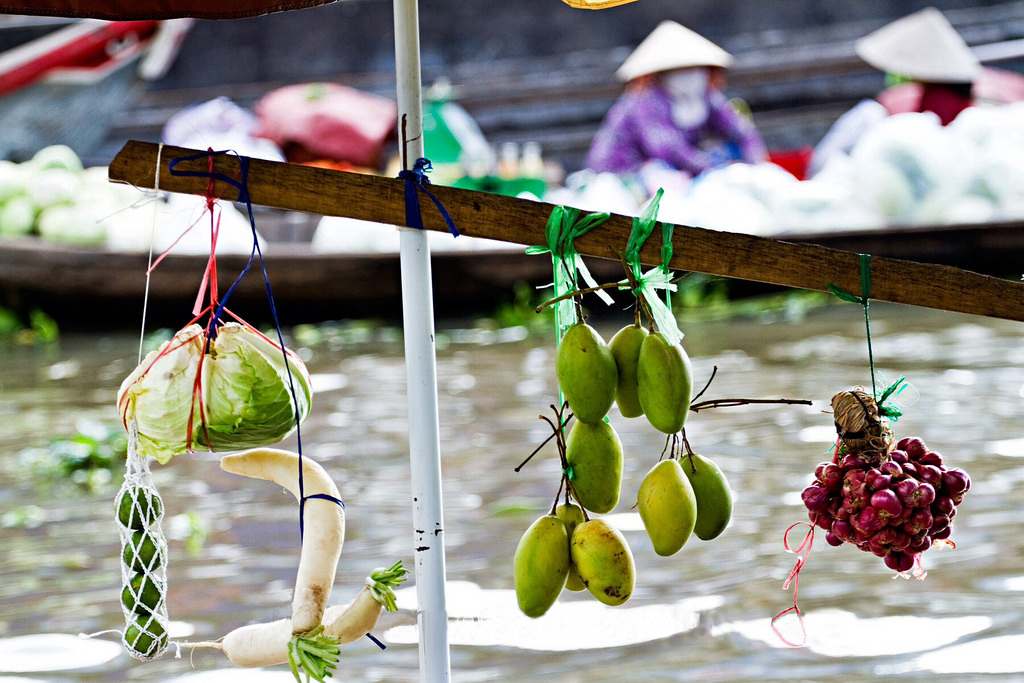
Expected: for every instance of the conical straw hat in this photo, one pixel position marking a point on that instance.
(672, 46)
(923, 46)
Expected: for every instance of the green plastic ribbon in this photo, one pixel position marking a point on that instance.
(865, 285)
(666, 255)
(658, 278)
(886, 410)
(564, 225)
(643, 226)
(648, 286)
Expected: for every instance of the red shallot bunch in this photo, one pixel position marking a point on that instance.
(894, 503)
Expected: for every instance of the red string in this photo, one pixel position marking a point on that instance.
(802, 551)
(168, 349)
(209, 279)
(210, 274)
(168, 250)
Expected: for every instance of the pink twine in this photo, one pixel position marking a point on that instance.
(802, 551)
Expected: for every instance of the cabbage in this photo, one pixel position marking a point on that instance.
(75, 225)
(57, 156)
(52, 186)
(12, 180)
(17, 216)
(158, 395)
(247, 397)
(236, 396)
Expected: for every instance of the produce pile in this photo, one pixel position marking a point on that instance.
(906, 170)
(645, 371)
(893, 500)
(52, 196)
(218, 384)
(228, 387)
(140, 511)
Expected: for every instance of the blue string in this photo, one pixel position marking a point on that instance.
(242, 185)
(327, 496)
(416, 179)
(377, 642)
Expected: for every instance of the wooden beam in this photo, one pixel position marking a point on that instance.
(479, 214)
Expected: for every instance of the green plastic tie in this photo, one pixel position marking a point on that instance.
(863, 300)
(658, 278)
(666, 255)
(564, 225)
(887, 409)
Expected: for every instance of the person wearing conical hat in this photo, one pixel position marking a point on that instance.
(672, 111)
(934, 71)
(925, 49)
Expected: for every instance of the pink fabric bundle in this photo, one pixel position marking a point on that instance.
(329, 120)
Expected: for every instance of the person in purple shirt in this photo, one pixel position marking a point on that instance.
(672, 113)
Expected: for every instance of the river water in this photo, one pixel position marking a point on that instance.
(703, 614)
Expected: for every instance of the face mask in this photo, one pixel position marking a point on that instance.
(687, 88)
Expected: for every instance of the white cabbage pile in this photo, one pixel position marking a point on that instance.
(906, 170)
(53, 196)
(232, 396)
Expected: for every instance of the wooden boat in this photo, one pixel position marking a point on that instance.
(94, 286)
(83, 287)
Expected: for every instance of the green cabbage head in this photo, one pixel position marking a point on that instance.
(235, 396)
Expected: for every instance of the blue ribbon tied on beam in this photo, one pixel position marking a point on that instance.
(416, 181)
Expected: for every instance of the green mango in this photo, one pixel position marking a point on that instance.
(138, 508)
(541, 565)
(625, 347)
(668, 507)
(586, 373)
(142, 552)
(145, 635)
(572, 515)
(594, 453)
(714, 497)
(664, 382)
(604, 561)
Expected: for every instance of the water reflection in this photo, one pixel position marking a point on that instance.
(44, 652)
(701, 615)
(482, 618)
(1001, 655)
(838, 633)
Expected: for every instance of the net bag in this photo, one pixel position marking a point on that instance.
(139, 511)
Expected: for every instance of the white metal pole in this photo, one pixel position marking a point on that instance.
(421, 370)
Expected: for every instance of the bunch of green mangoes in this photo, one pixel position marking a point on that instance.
(588, 376)
(139, 508)
(566, 550)
(654, 378)
(680, 497)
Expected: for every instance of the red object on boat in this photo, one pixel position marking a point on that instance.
(85, 44)
(795, 161)
(328, 121)
(154, 9)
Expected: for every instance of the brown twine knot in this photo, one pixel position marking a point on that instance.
(860, 427)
